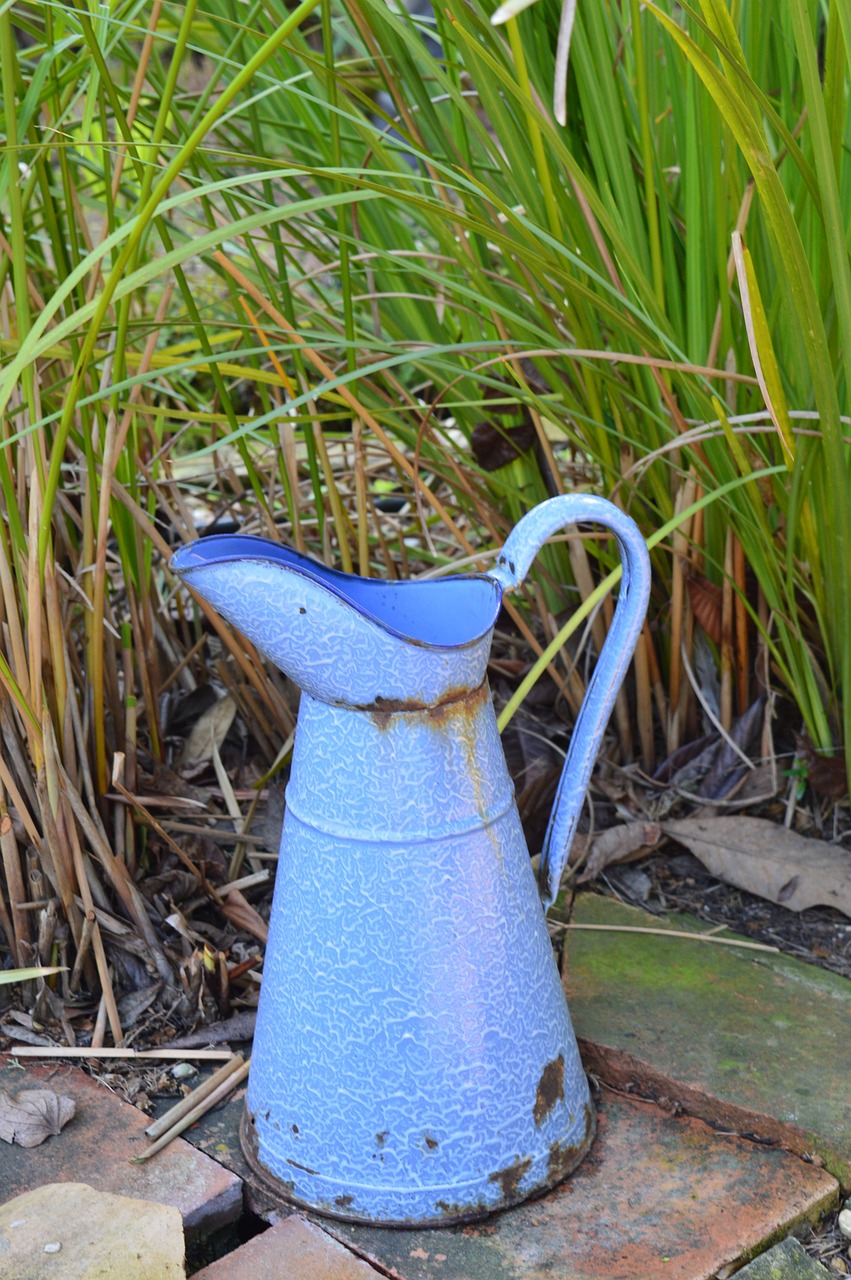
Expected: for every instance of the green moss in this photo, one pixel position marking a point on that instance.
(786, 1261)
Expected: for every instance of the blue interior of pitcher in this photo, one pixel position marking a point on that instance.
(443, 612)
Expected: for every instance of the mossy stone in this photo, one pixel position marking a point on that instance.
(786, 1261)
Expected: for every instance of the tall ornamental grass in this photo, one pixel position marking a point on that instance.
(337, 273)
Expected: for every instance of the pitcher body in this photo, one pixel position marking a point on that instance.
(414, 1061)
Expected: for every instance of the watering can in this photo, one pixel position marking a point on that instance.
(414, 1061)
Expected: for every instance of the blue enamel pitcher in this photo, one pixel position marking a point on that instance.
(414, 1061)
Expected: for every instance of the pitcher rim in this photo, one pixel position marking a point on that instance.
(321, 573)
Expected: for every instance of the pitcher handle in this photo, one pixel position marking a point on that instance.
(521, 547)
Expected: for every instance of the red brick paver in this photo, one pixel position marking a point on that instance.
(96, 1147)
(294, 1249)
(658, 1196)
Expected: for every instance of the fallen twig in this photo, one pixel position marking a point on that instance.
(670, 933)
(229, 1083)
(170, 1055)
(246, 882)
(191, 1100)
(239, 1026)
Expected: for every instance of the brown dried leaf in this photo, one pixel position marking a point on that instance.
(768, 860)
(164, 786)
(621, 844)
(30, 1116)
(825, 774)
(240, 913)
(705, 599)
(494, 447)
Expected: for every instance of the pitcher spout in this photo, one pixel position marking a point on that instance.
(348, 641)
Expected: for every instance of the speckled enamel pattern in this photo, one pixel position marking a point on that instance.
(414, 1061)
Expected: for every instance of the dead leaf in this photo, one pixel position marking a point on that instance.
(238, 1027)
(620, 844)
(495, 446)
(760, 784)
(32, 1115)
(674, 768)
(705, 599)
(188, 708)
(135, 1003)
(210, 729)
(825, 774)
(768, 860)
(727, 766)
(242, 915)
(165, 788)
(24, 1035)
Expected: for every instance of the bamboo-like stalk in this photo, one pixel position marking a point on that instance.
(644, 705)
(52, 821)
(56, 640)
(9, 929)
(21, 809)
(34, 619)
(99, 1029)
(655, 675)
(727, 636)
(108, 1053)
(110, 458)
(17, 646)
(193, 1098)
(83, 945)
(53, 855)
(233, 1078)
(678, 686)
(120, 881)
(130, 758)
(90, 927)
(741, 612)
(46, 931)
(15, 882)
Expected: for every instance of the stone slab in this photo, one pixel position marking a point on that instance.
(294, 1249)
(96, 1147)
(69, 1231)
(748, 1040)
(788, 1260)
(657, 1196)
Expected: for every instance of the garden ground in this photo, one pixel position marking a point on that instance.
(725, 1126)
